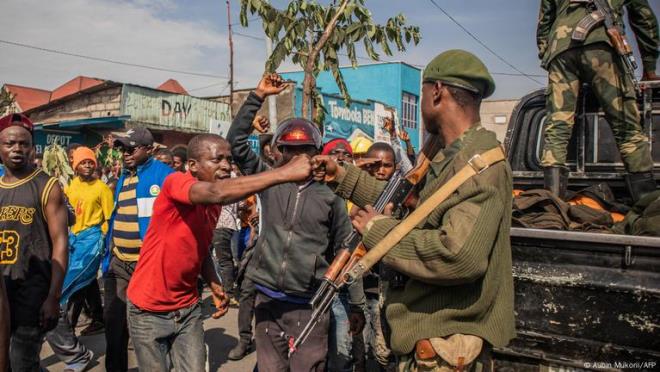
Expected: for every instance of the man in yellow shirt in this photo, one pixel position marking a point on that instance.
(91, 198)
(92, 201)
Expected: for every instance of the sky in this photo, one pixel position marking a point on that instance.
(191, 36)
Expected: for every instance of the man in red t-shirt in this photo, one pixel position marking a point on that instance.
(164, 315)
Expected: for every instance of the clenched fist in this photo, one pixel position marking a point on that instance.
(298, 169)
(261, 124)
(270, 84)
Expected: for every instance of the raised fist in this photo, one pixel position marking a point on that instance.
(261, 124)
(270, 84)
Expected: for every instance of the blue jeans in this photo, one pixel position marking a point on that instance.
(178, 334)
(340, 343)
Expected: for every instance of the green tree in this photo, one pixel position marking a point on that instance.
(6, 100)
(312, 34)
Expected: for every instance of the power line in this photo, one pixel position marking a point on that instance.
(207, 86)
(248, 36)
(483, 44)
(516, 74)
(413, 64)
(111, 60)
(238, 23)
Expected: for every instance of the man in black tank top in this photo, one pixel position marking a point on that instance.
(33, 243)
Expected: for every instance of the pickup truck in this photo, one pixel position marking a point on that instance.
(583, 301)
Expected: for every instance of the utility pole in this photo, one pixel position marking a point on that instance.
(272, 104)
(231, 64)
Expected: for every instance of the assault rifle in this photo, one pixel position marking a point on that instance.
(603, 13)
(396, 191)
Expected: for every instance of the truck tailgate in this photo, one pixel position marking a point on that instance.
(584, 297)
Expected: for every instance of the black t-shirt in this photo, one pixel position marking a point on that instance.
(25, 245)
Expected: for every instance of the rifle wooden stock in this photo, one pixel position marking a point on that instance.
(337, 265)
(357, 255)
(618, 42)
(430, 149)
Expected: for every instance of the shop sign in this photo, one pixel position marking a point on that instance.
(45, 137)
(361, 118)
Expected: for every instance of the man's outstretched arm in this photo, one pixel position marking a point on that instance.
(231, 190)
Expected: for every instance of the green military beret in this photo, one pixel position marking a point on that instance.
(461, 69)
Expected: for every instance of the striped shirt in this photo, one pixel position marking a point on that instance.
(126, 231)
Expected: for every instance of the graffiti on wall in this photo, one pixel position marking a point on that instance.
(163, 110)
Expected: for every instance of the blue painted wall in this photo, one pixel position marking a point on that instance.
(382, 82)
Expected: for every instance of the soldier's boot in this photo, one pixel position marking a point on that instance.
(640, 184)
(555, 179)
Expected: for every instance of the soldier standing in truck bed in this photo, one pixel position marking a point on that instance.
(571, 63)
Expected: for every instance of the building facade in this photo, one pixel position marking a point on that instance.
(495, 115)
(90, 114)
(373, 88)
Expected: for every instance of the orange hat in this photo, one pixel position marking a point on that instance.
(83, 153)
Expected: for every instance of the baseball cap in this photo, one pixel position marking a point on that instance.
(134, 137)
(18, 120)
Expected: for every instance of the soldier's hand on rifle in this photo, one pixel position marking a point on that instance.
(649, 75)
(362, 220)
(298, 169)
(260, 124)
(220, 301)
(270, 84)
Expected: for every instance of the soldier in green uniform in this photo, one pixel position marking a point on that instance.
(593, 60)
(456, 299)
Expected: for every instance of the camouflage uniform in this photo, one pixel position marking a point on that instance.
(594, 61)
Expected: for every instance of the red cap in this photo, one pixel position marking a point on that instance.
(18, 120)
(334, 143)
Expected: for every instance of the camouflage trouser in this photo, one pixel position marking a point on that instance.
(599, 65)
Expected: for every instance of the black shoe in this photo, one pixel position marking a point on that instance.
(555, 179)
(640, 184)
(94, 328)
(240, 351)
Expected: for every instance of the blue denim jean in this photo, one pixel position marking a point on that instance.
(340, 343)
(178, 334)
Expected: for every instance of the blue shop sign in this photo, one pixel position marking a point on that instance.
(64, 138)
(360, 119)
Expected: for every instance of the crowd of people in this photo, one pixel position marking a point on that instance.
(261, 230)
